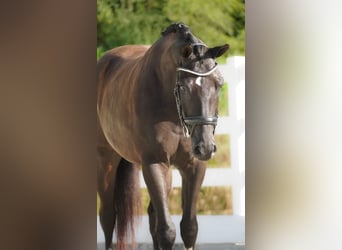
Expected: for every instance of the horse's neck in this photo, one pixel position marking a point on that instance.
(163, 69)
(157, 82)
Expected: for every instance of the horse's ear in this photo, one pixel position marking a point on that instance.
(186, 51)
(218, 51)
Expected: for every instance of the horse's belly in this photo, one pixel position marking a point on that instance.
(120, 138)
(126, 149)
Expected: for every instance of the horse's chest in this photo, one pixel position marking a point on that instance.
(166, 137)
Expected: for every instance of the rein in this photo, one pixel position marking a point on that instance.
(190, 121)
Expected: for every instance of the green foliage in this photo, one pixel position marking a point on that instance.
(128, 22)
(215, 201)
(222, 156)
(223, 107)
(211, 200)
(99, 52)
(216, 22)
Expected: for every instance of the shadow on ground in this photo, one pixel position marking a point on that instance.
(223, 246)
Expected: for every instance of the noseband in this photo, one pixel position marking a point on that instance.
(189, 121)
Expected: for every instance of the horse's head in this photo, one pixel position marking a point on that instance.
(197, 89)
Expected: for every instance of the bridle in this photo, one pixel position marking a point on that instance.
(187, 122)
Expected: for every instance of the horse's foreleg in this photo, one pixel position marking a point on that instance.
(153, 225)
(158, 182)
(192, 178)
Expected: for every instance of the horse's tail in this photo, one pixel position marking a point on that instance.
(127, 202)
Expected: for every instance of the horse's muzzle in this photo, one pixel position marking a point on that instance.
(204, 152)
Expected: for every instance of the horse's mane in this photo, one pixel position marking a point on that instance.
(173, 28)
(186, 36)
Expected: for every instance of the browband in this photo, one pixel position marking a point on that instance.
(198, 73)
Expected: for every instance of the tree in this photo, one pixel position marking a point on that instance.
(141, 21)
(215, 21)
(129, 22)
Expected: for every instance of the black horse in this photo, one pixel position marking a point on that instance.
(157, 107)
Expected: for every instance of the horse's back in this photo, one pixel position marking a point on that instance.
(116, 57)
(117, 72)
(114, 60)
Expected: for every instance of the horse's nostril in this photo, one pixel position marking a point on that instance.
(215, 148)
(197, 150)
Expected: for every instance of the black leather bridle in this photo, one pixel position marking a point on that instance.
(187, 122)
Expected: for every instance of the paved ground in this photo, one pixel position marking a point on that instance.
(227, 246)
(212, 229)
